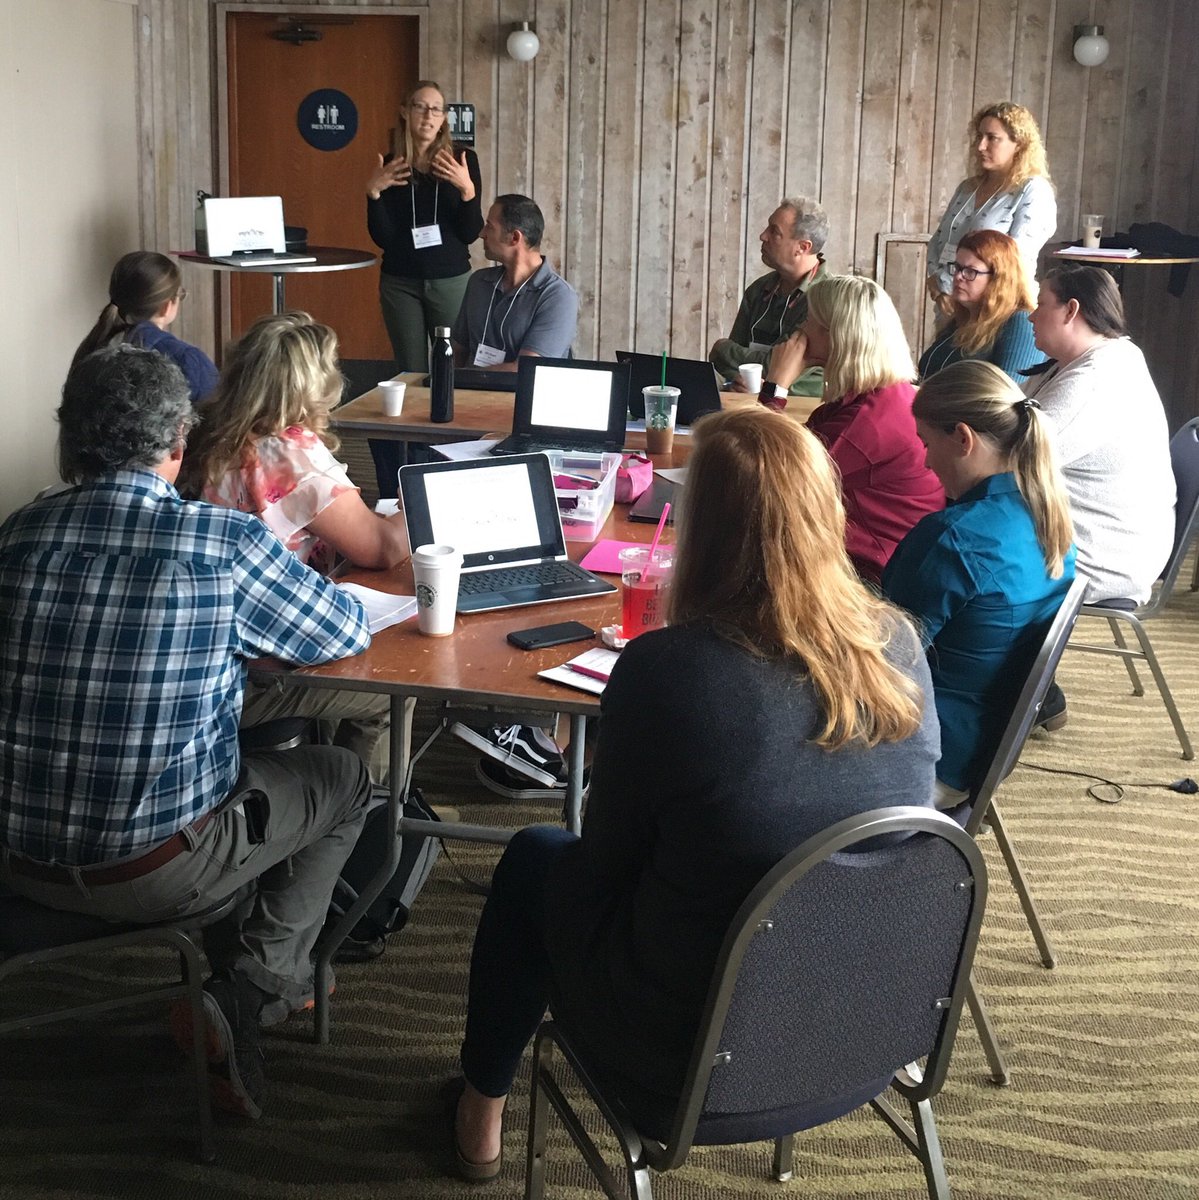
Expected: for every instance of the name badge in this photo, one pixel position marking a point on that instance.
(488, 356)
(761, 347)
(424, 236)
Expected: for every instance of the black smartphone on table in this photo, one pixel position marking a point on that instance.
(550, 635)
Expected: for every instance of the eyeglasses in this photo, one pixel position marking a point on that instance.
(969, 274)
(433, 110)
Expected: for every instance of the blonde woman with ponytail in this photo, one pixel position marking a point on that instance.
(145, 291)
(984, 577)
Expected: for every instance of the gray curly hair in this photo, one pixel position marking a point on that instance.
(122, 408)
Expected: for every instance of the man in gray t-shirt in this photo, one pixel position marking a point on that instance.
(521, 306)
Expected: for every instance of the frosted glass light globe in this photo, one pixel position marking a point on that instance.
(523, 43)
(1091, 48)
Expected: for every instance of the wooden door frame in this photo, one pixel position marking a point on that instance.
(221, 12)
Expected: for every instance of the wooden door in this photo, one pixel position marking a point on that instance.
(372, 59)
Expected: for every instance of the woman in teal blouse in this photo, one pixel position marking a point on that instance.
(991, 298)
(985, 576)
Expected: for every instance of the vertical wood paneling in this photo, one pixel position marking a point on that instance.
(657, 135)
(914, 120)
(880, 99)
(548, 134)
(697, 64)
(620, 209)
(659, 115)
(586, 176)
(729, 220)
(842, 109)
(994, 56)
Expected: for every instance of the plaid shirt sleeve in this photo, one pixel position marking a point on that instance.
(287, 610)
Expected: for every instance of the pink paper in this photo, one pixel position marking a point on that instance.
(604, 556)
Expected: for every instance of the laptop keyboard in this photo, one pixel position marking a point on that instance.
(535, 575)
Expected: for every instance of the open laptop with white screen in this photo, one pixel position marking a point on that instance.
(502, 515)
(567, 404)
(247, 231)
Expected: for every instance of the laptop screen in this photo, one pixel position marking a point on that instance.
(565, 397)
(496, 511)
(243, 224)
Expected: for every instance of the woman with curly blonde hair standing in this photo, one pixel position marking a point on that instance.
(1008, 189)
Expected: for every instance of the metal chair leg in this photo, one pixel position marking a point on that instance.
(543, 1056)
(1048, 957)
(1164, 688)
(1000, 1075)
(189, 961)
(784, 1158)
(929, 1153)
(1138, 688)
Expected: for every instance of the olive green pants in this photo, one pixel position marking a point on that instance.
(412, 308)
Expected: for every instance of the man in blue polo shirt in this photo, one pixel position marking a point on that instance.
(522, 305)
(127, 616)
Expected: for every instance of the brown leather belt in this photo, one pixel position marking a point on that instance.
(122, 872)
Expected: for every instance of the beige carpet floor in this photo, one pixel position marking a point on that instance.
(1104, 1103)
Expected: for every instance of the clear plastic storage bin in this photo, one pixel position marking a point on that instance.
(584, 509)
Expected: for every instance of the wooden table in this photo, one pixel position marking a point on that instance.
(474, 666)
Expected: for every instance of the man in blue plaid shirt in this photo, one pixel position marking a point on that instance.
(126, 619)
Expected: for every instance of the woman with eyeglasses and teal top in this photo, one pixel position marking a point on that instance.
(145, 291)
(1008, 189)
(992, 297)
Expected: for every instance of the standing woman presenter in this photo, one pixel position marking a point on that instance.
(423, 212)
(1008, 189)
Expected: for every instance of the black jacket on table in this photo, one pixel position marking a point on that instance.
(705, 776)
(390, 221)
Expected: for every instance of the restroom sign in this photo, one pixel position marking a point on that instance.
(327, 119)
(460, 123)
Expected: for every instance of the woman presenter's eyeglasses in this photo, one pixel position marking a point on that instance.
(433, 110)
(969, 274)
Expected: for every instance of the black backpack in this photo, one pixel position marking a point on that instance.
(390, 910)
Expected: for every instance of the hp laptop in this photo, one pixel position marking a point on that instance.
(699, 390)
(568, 404)
(247, 231)
(503, 515)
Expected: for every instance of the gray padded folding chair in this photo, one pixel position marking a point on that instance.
(32, 935)
(842, 966)
(983, 807)
(1184, 457)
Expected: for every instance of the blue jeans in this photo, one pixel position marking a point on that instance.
(510, 971)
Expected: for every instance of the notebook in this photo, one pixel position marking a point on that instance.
(503, 515)
(247, 231)
(699, 387)
(649, 505)
(568, 404)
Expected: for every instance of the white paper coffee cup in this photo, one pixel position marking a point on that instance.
(435, 571)
(751, 376)
(391, 392)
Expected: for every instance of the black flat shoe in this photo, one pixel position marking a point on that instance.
(464, 1168)
(360, 950)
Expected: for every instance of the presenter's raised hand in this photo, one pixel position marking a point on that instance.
(387, 175)
(452, 168)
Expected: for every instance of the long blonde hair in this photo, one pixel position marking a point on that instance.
(980, 395)
(1009, 290)
(762, 561)
(1022, 128)
(868, 348)
(282, 372)
(406, 146)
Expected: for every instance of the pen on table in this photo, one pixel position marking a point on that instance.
(590, 672)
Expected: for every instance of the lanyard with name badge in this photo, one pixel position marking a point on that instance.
(767, 346)
(491, 356)
(425, 236)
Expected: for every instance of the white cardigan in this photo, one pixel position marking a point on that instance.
(1113, 447)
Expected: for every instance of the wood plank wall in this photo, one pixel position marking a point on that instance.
(657, 135)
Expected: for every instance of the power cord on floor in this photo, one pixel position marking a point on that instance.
(472, 885)
(1188, 787)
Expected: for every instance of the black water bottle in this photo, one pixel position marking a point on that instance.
(441, 377)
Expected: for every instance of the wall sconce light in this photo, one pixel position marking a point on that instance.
(523, 43)
(1090, 46)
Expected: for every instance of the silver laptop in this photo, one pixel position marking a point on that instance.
(568, 404)
(503, 515)
(247, 231)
